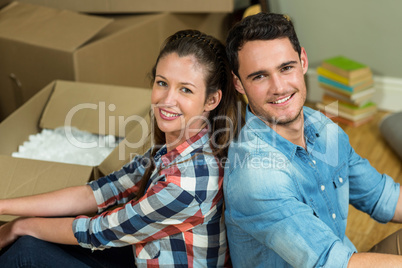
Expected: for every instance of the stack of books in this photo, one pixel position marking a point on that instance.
(348, 90)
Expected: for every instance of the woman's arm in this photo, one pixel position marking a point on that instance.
(164, 210)
(56, 230)
(65, 202)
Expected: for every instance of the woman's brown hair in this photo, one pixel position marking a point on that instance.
(228, 117)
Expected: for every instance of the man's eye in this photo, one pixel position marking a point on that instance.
(258, 77)
(286, 68)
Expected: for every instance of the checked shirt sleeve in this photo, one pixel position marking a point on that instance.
(166, 209)
(121, 186)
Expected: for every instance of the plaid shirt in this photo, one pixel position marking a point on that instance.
(177, 223)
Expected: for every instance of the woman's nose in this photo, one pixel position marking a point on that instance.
(170, 96)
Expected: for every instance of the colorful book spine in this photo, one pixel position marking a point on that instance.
(346, 67)
(335, 84)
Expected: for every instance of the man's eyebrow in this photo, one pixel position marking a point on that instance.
(287, 63)
(255, 74)
(264, 72)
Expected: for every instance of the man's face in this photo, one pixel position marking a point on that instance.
(272, 77)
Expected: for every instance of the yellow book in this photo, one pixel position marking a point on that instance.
(341, 79)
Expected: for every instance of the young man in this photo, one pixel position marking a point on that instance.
(292, 173)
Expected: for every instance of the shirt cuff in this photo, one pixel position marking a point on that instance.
(339, 256)
(385, 209)
(80, 230)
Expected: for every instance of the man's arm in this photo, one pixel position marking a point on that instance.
(398, 211)
(375, 260)
(286, 225)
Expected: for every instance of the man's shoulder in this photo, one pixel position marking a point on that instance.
(251, 141)
(316, 119)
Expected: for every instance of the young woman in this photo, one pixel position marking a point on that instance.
(169, 200)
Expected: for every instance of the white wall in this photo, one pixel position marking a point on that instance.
(369, 31)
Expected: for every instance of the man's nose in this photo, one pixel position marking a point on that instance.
(277, 83)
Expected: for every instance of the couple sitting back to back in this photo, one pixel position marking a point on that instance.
(288, 179)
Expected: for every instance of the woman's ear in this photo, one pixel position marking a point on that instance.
(213, 101)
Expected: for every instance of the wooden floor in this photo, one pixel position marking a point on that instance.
(367, 141)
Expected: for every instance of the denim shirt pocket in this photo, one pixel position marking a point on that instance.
(150, 250)
(314, 207)
(341, 184)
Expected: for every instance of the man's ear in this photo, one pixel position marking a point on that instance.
(237, 83)
(304, 60)
(213, 101)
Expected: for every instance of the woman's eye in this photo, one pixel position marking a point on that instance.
(161, 83)
(186, 90)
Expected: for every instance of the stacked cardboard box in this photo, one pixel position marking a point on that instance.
(98, 109)
(58, 58)
(39, 44)
(138, 6)
(348, 89)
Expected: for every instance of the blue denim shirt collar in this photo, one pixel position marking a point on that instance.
(312, 125)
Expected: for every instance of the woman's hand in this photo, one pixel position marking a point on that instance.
(7, 233)
(56, 230)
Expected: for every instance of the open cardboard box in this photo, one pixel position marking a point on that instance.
(99, 109)
(39, 44)
(137, 6)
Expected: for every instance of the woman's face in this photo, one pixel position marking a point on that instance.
(179, 98)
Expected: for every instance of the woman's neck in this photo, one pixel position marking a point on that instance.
(176, 139)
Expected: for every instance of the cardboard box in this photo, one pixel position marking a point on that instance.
(138, 6)
(40, 44)
(99, 109)
(4, 3)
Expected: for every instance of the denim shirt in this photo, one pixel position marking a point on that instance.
(287, 206)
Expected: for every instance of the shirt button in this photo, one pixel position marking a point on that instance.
(340, 180)
(334, 216)
(322, 187)
(314, 162)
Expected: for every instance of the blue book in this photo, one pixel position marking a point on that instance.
(335, 84)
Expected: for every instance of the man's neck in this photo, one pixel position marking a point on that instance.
(293, 132)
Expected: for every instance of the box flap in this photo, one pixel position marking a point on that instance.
(21, 177)
(47, 27)
(16, 128)
(136, 142)
(130, 41)
(97, 108)
(138, 6)
(4, 3)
